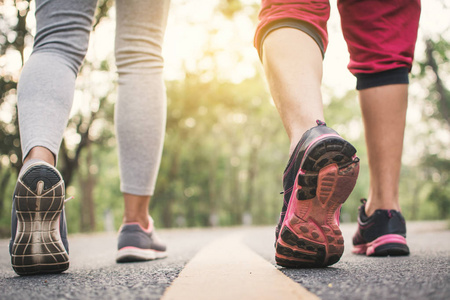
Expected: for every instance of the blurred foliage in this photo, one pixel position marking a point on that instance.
(13, 37)
(432, 187)
(225, 147)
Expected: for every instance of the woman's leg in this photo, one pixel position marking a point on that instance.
(141, 105)
(47, 82)
(45, 94)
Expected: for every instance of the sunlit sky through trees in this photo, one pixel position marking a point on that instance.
(200, 39)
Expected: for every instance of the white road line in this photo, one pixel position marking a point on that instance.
(228, 269)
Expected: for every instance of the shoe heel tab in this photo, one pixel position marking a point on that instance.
(147, 230)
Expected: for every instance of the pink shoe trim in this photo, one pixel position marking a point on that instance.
(140, 249)
(383, 240)
(147, 230)
(359, 249)
(337, 214)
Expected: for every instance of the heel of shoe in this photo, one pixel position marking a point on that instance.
(310, 235)
(388, 245)
(38, 247)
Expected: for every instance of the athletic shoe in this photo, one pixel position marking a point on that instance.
(319, 177)
(381, 234)
(139, 244)
(38, 229)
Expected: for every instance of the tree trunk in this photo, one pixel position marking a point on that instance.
(87, 185)
(3, 184)
(168, 211)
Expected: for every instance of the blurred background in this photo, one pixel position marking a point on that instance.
(225, 147)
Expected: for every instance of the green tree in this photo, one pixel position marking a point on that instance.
(434, 166)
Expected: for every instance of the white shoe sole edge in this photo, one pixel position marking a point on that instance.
(130, 254)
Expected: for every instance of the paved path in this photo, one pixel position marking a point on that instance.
(94, 274)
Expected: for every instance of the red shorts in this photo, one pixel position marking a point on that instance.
(380, 34)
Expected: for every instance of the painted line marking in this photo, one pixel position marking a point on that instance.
(228, 269)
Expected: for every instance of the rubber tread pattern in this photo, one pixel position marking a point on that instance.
(37, 247)
(325, 152)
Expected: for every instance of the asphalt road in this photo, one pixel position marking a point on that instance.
(95, 275)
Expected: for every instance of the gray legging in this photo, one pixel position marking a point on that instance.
(46, 86)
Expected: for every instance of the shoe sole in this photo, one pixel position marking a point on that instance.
(133, 254)
(385, 245)
(310, 234)
(37, 248)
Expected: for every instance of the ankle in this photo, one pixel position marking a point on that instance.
(136, 209)
(40, 153)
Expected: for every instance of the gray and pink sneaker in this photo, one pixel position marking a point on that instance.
(139, 244)
(38, 228)
(381, 234)
(318, 179)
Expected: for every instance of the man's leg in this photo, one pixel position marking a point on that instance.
(292, 63)
(381, 55)
(323, 168)
(381, 229)
(45, 94)
(140, 119)
(384, 113)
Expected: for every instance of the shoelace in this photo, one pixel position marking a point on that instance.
(68, 199)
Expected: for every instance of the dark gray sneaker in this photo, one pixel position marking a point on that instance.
(38, 229)
(139, 244)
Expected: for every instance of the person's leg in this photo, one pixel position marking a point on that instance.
(381, 55)
(140, 111)
(291, 40)
(323, 168)
(136, 209)
(41, 153)
(384, 114)
(292, 63)
(45, 94)
(47, 83)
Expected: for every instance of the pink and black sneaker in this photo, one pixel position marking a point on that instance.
(319, 177)
(381, 234)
